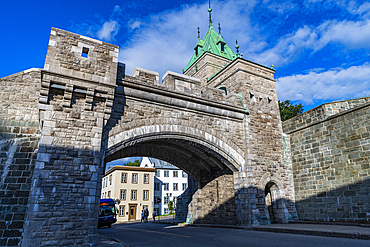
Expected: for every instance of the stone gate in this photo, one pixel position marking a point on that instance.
(218, 121)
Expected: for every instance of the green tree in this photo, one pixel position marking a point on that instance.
(289, 110)
(135, 163)
(170, 206)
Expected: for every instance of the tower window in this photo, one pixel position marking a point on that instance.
(85, 51)
(222, 47)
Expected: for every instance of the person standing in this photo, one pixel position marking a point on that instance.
(154, 214)
(142, 216)
(146, 215)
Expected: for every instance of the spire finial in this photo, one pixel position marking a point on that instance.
(219, 28)
(209, 11)
(237, 49)
(198, 33)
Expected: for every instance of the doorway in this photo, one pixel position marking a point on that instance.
(132, 212)
(271, 197)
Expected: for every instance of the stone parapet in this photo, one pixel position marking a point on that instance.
(320, 113)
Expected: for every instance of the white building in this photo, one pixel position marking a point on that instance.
(169, 183)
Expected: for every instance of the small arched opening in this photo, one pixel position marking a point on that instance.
(271, 200)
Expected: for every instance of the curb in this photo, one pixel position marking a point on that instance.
(335, 234)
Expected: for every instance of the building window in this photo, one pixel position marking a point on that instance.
(175, 174)
(123, 195)
(184, 186)
(157, 173)
(85, 51)
(146, 195)
(166, 211)
(103, 182)
(146, 178)
(124, 178)
(110, 179)
(122, 211)
(184, 175)
(108, 194)
(166, 199)
(156, 186)
(166, 173)
(134, 178)
(166, 186)
(133, 195)
(222, 47)
(175, 187)
(105, 195)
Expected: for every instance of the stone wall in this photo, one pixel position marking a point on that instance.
(255, 87)
(19, 137)
(330, 155)
(75, 101)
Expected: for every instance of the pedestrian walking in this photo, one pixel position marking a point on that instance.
(142, 216)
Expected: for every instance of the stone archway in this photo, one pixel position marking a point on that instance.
(205, 160)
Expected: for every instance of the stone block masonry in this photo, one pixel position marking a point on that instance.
(76, 95)
(330, 156)
(19, 138)
(82, 111)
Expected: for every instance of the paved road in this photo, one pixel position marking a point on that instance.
(150, 234)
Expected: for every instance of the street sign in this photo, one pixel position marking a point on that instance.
(159, 200)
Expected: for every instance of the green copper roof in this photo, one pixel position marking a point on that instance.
(212, 42)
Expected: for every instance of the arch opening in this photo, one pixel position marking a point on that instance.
(271, 200)
(210, 171)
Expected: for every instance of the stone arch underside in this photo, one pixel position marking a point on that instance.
(192, 150)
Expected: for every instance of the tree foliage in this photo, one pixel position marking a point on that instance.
(135, 163)
(289, 110)
(170, 206)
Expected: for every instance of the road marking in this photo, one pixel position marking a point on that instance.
(159, 232)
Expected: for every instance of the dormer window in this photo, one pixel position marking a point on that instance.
(85, 51)
(222, 47)
(196, 51)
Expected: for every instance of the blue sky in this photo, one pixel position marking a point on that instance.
(320, 49)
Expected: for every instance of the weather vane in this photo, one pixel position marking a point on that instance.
(219, 28)
(237, 49)
(209, 10)
(198, 33)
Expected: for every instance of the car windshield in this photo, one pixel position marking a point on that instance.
(106, 211)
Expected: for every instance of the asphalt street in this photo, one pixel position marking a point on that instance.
(150, 234)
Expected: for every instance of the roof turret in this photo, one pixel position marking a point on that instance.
(212, 42)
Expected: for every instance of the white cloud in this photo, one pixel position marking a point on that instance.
(329, 85)
(290, 48)
(166, 40)
(108, 30)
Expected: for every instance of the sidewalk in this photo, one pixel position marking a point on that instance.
(110, 242)
(325, 230)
